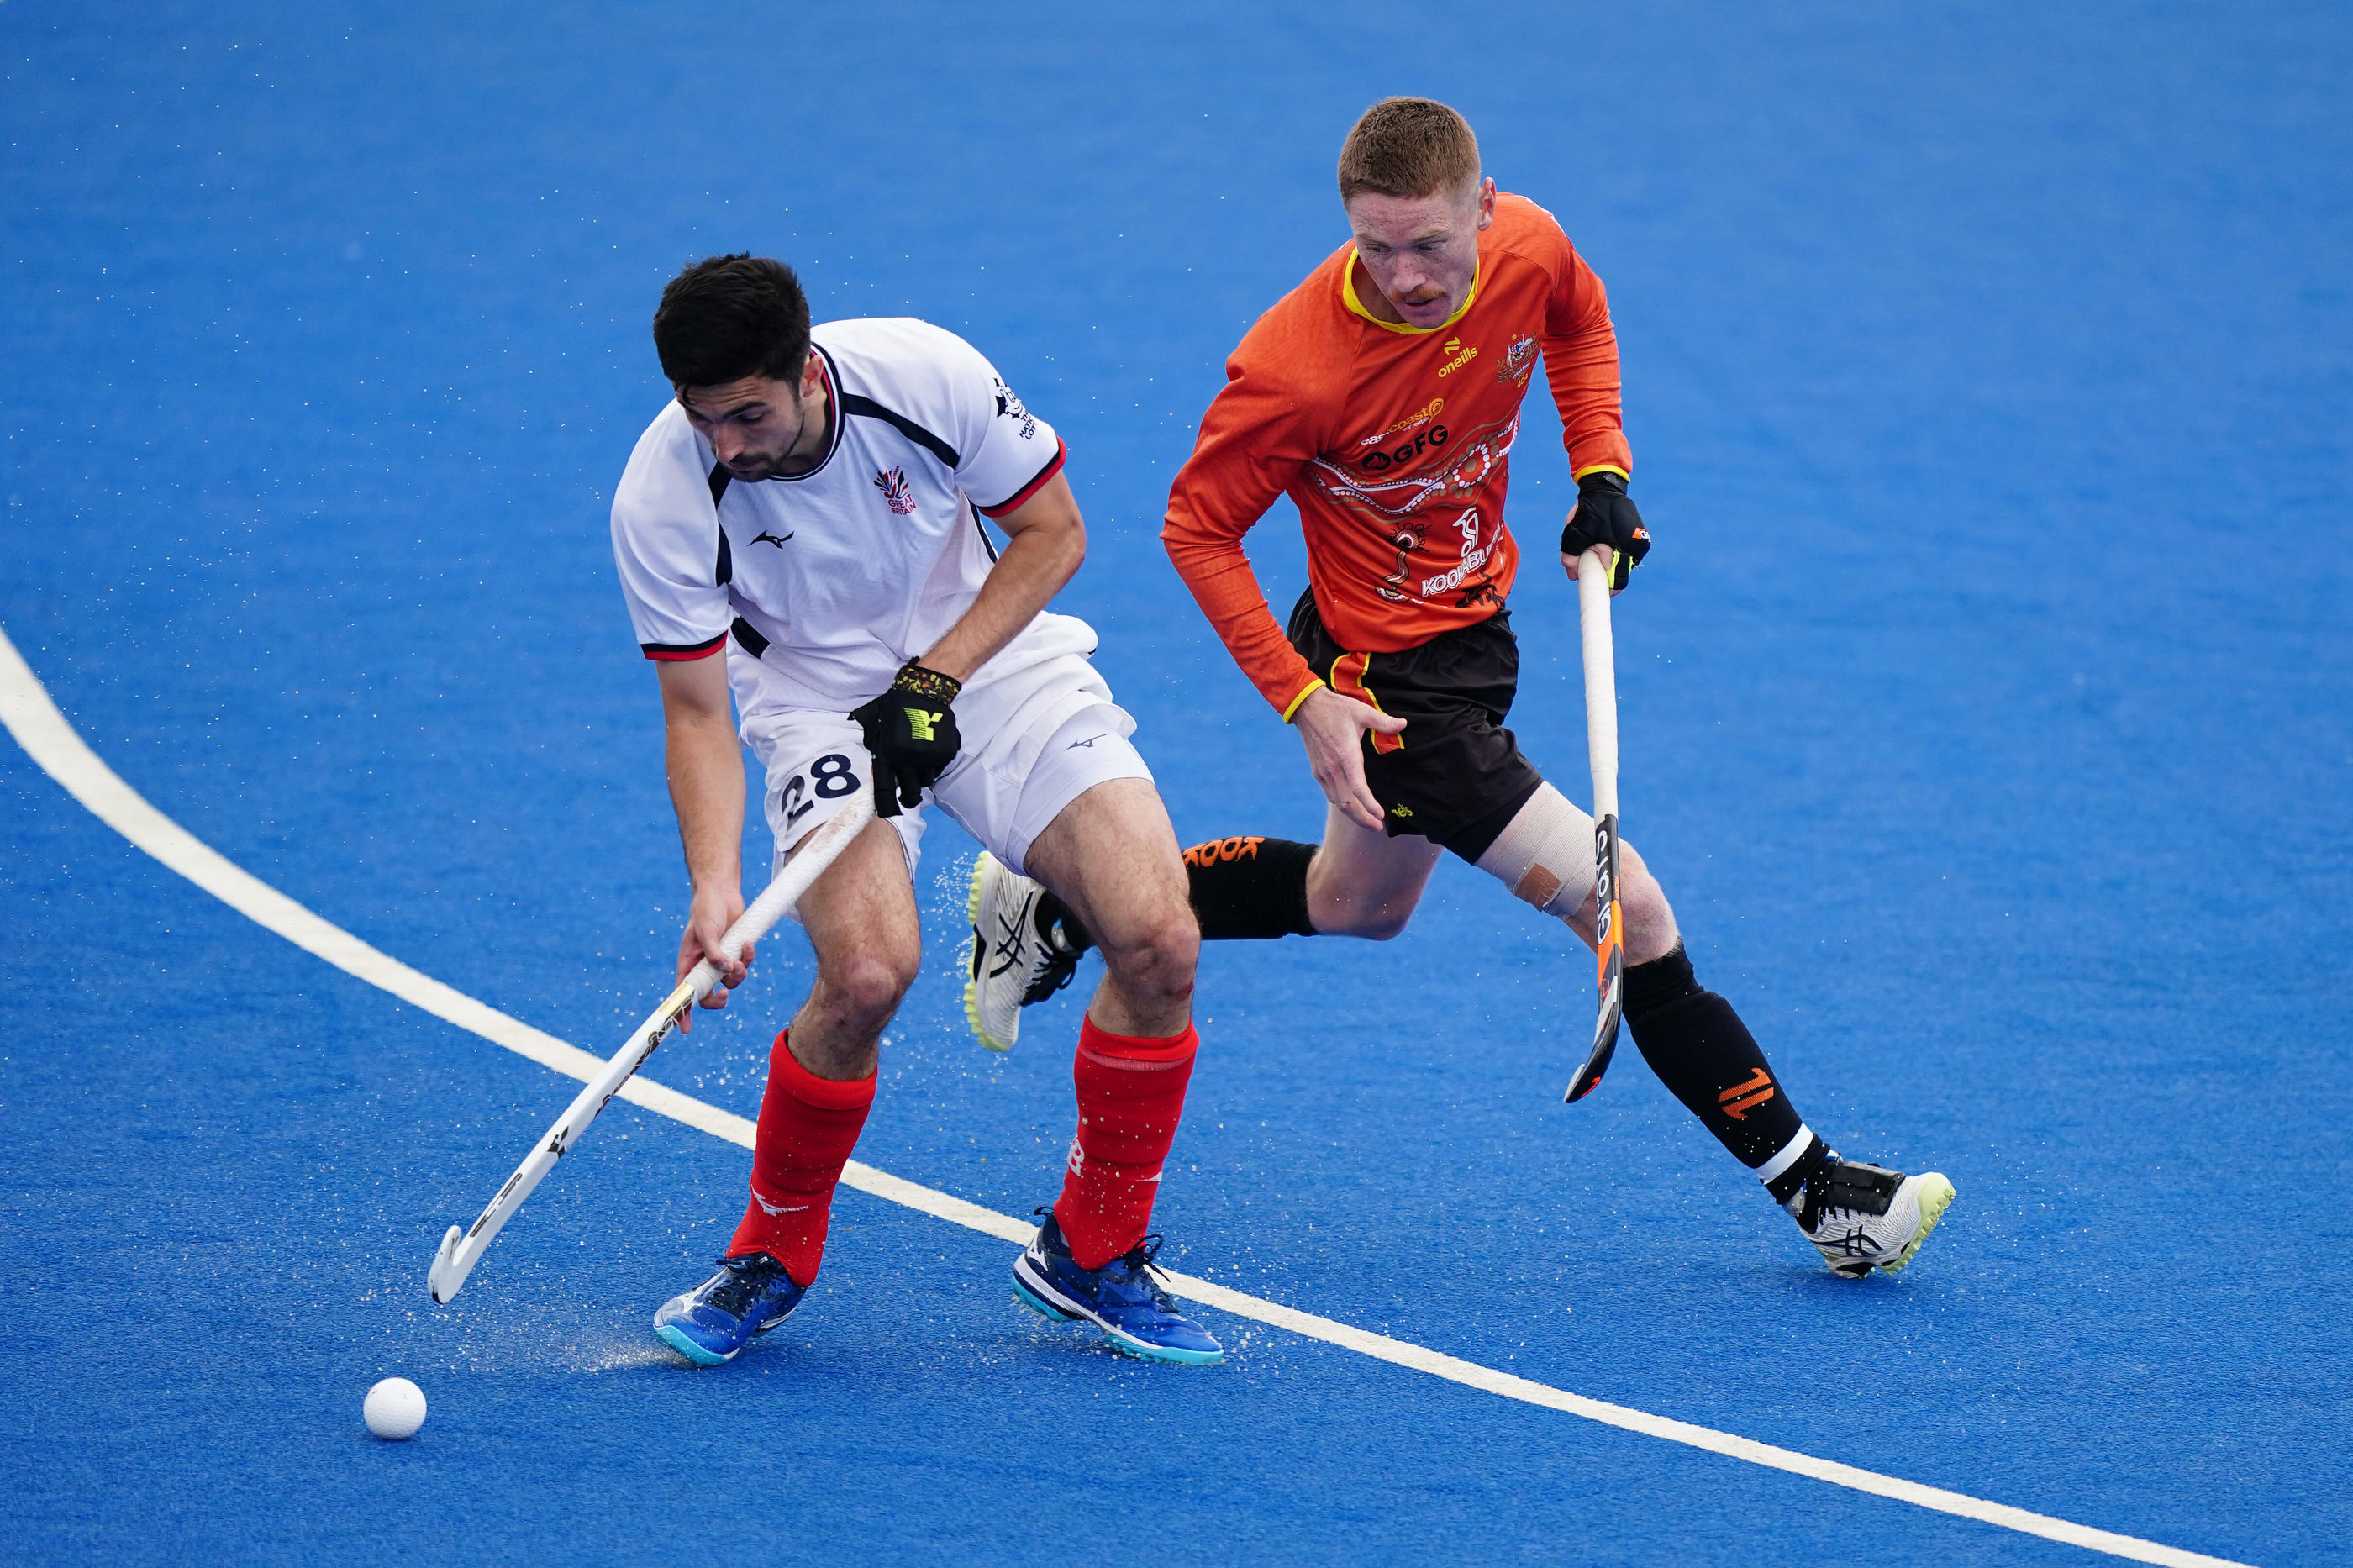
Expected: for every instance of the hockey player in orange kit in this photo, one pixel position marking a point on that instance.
(1383, 395)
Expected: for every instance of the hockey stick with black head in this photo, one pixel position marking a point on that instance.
(1601, 742)
(461, 1250)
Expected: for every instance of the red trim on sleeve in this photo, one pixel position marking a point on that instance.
(674, 652)
(1061, 451)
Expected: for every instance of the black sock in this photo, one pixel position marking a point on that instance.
(1701, 1050)
(1250, 889)
(1247, 888)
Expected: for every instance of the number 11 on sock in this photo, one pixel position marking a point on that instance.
(1601, 742)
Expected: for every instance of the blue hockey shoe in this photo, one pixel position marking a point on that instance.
(710, 1323)
(1123, 1299)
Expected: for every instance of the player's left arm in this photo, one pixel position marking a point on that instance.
(1009, 463)
(1046, 540)
(1580, 356)
(911, 730)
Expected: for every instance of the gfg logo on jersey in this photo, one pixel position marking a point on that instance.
(896, 492)
(1407, 451)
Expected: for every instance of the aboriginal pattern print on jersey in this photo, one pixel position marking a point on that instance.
(1408, 508)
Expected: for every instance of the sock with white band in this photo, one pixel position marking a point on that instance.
(1701, 1050)
(1786, 1173)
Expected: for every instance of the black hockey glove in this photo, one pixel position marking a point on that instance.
(911, 735)
(1605, 515)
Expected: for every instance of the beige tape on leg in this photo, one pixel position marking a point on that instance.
(1546, 856)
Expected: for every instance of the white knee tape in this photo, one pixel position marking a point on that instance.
(1546, 856)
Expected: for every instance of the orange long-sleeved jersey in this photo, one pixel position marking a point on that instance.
(1395, 443)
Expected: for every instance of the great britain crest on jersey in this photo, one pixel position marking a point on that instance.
(896, 492)
(1518, 360)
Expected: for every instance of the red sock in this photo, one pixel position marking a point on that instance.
(1131, 1094)
(807, 1127)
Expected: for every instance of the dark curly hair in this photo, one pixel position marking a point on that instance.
(727, 317)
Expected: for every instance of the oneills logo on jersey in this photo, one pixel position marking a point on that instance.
(1518, 360)
(1460, 353)
(892, 483)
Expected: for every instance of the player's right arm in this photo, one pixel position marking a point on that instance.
(706, 789)
(1260, 430)
(666, 547)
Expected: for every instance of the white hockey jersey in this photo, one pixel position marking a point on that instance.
(821, 585)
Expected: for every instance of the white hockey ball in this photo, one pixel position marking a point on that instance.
(394, 1409)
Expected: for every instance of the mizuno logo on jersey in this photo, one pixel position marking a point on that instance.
(770, 539)
(895, 490)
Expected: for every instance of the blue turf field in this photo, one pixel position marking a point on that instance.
(1987, 710)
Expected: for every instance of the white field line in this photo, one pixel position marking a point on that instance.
(43, 731)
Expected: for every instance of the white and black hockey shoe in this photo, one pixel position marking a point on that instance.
(1861, 1217)
(1022, 950)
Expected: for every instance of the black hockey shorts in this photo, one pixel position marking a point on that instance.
(1456, 777)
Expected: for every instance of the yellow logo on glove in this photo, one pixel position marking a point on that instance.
(919, 723)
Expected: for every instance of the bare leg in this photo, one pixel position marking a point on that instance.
(1112, 856)
(861, 919)
(1649, 922)
(1364, 883)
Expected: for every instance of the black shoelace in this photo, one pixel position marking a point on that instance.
(1061, 953)
(745, 1281)
(1139, 1262)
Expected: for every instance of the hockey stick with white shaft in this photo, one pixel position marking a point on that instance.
(1601, 742)
(460, 1250)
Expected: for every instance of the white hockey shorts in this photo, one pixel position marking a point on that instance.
(1034, 741)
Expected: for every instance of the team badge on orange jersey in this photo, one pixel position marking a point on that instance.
(1517, 360)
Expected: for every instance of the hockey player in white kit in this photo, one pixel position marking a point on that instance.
(802, 529)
